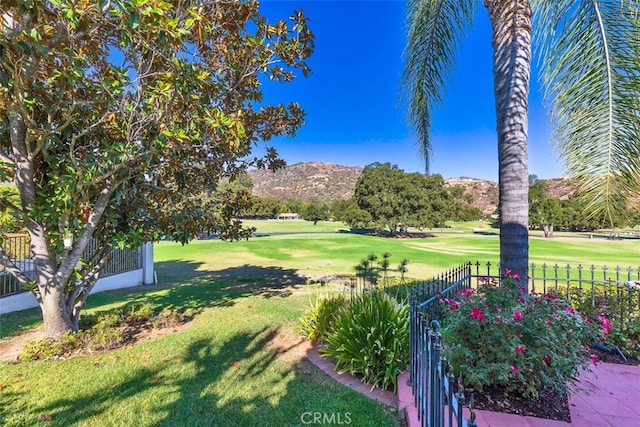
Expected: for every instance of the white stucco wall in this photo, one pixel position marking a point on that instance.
(127, 279)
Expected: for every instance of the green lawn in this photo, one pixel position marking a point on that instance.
(228, 367)
(297, 226)
(235, 365)
(315, 255)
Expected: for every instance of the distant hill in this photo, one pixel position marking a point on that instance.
(307, 182)
(326, 182)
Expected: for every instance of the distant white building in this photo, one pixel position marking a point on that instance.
(288, 216)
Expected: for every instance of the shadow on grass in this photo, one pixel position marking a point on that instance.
(212, 386)
(188, 288)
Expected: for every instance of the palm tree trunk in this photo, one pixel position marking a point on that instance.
(511, 25)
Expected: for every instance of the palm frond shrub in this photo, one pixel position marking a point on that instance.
(370, 338)
(317, 320)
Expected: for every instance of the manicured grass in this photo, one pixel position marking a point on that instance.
(228, 367)
(316, 255)
(235, 365)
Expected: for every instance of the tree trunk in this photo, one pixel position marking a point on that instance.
(511, 25)
(52, 271)
(548, 231)
(57, 319)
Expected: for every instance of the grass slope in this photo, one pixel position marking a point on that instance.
(229, 368)
(237, 364)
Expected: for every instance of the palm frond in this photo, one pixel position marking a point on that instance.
(435, 28)
(590, 52)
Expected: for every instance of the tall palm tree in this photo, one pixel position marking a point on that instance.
(590, 52)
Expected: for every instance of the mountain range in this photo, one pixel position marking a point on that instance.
(325, 182)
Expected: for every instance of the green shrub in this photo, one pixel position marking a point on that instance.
(138, 314)
(496, 337)
(108, 333)
(626, 338)
(370, 338)
(317, 320)
(48, 348)
(101, 331)
(615, 302)
(612, 300)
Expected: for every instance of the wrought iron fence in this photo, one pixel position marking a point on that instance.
(587, 287)
(432, 381)
(614, 291)
(17, 248)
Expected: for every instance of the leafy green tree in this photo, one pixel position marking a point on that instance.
(9, 220)
(591, 74)
(544, 212)
(262, 207)
(379, 192)
(394, 198)
(119, 118)
(347, 211)
(291, 205)
(315, 211)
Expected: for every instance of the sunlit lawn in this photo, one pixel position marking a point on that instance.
(228, 367)
(235, 365)
(316, 255)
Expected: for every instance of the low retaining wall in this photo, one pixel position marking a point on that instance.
(25, 300)
(141, 276)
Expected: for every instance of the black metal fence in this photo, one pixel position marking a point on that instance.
(432, 381)
(17, 248)
(614, 291)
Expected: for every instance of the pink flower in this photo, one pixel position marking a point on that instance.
(606, 324)
(520, 300)
(547, 358)
(438, 293)
(467, 292)
(521, 349)
(523, 289)
(477, 314)
(515, 370)
(548, 322)
(508, 273)
(594, 359)
(517, 315)
(570, 310)
(550, 296)
(454, 306)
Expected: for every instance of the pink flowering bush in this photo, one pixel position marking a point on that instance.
(499, 336)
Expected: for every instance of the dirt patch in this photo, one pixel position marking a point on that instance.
(289, 345)
(550, 404)
(11, 348)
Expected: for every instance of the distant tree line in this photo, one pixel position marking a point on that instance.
(551, 214)
(386, 198)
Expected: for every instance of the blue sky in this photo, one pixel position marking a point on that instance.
(353, 104)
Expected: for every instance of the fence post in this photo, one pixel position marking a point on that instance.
(148, 272)
(437, 405)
